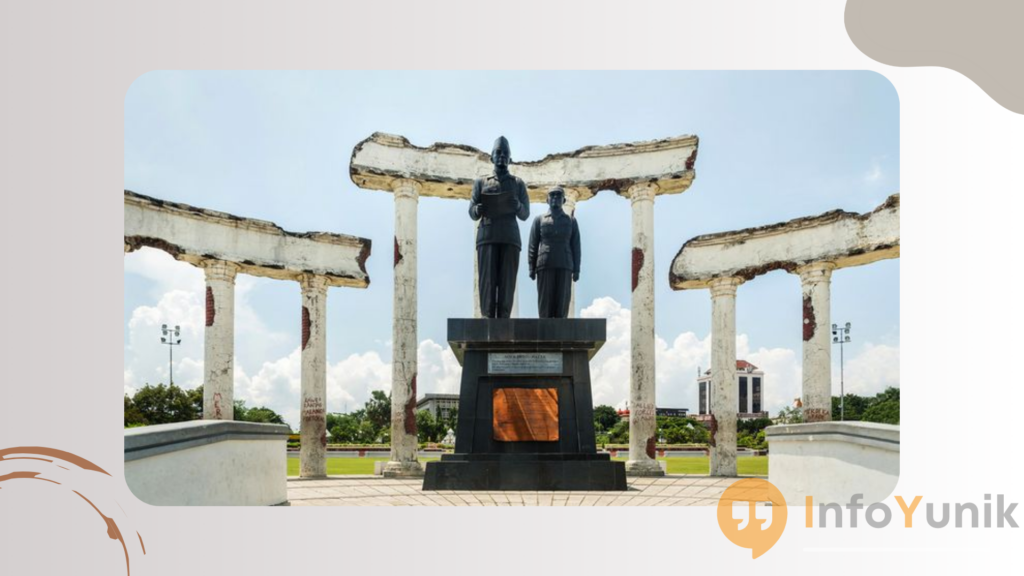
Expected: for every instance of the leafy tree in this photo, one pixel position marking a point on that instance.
(427, 428)
(378, 410)
(885, 407)
(676, 430)
(344, 428)
(791, 415)
(854, 409)
(195, 398)
(444, 424)
(605, 418)
(619, 434)
(753, 426)
(164, 405)
(132, 415)
(261, 414)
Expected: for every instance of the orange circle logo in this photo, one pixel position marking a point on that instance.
(743, 525)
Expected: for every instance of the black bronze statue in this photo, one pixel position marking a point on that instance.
(554, 256)
(496, 202)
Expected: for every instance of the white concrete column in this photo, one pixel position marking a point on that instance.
(724, 401)
(219, 341)
(571, 197)
(643, 428)
(404, 444)
(815, 280)
(313, 451)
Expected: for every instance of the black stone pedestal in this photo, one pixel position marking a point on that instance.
(526, 416)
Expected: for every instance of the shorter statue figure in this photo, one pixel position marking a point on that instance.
(554, 255)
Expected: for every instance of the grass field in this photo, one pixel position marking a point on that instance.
(747, 466)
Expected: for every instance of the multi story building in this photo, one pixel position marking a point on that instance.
(441, 406)
(749, 380)
(669, 412)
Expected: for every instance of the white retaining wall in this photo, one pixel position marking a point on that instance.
(832, 461)
(207, 463)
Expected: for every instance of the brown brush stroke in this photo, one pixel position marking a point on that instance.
(25, 476)
(143, 544)
(112, 531)
(29, 458)
(54, 453)
(59, 466)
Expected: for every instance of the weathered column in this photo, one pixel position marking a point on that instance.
(571, 196)
(404, 444)
(313, 451)
(643, 428)
(219, 358)
(817, 378)
(723, 376)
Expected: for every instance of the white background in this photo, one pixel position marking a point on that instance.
(66, 68)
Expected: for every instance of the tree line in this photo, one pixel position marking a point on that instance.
(371, 424)
(161, 404)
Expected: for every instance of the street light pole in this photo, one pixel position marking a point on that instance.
(171, 338)
(841, 336)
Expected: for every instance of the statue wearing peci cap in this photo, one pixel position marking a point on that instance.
(554, 257)
(496, 202)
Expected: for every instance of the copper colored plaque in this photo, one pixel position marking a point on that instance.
(526, 414)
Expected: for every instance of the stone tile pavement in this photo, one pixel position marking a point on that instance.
(378, 491)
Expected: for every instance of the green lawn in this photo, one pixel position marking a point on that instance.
(747, 466)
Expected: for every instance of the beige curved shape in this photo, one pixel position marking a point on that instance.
(844, 239)
(980, 39)
(257, 247)
(448, 170)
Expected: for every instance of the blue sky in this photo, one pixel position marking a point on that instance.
(276, 146)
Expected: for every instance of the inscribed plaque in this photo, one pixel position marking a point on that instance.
(525, 414)
(524, 362)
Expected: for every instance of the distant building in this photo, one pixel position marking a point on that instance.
(668, 412)
(749, 381)
(439, 405)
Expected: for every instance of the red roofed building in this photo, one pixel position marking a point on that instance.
(750, 383)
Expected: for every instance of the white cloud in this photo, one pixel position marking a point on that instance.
(676, 365)
(783, 376)
(277, 383)
(147, 360)
(438, 370)
(876, 368)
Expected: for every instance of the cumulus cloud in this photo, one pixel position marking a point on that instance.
(438, 370)
(874, 369)
(277, 382)
(145, 356)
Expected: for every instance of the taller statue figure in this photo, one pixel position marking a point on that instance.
(496, 202)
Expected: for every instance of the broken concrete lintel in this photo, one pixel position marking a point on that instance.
(258, 247)
(843, 238)
(448, 170)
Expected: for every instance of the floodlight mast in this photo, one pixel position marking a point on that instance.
(841, 336)
(172, 338)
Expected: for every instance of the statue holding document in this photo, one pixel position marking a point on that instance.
(496, 202)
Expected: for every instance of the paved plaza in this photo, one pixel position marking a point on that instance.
(378, 491)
